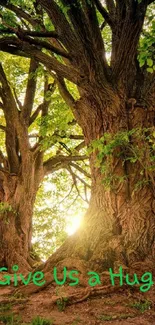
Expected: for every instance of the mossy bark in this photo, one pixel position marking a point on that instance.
(119, 226)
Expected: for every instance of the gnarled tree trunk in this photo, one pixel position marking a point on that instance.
(17, 201)
(119, 226)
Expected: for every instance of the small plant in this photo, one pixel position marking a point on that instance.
(125, 316)
(142, 305)
(5, 307)
(110, 302)
(5, 207)
(105, 317)
(41, 321)
(125, 147)
(61, 303)
(10, 319)
(18, 295)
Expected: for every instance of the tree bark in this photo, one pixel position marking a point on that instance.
(119, 226)
(17, 201)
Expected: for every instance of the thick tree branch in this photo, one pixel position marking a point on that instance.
(62, 26)
(30, 91)
(104, 13)
(128, 27)
(25, 36)
(111, 7)
(68, 98)
(51, 34)
(14, 130)
(43, 44)
(58, 162)
(17, 47)
(87, 31)
(6, 93)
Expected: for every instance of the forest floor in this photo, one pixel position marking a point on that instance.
(121, 305)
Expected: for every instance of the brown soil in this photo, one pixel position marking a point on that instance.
(121, 305)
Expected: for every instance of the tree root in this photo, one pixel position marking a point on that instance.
(85, 294)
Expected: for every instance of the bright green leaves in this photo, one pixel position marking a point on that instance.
(134, 146)
(146, 54)
(54, 126)
(16, 69)
(106, 144)
(149, 62)
(25, 5)
(151, 67)
(9, 18)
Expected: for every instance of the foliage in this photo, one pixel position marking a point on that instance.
(134, 146)
(5, 307)
(5, 207)
(142, 305)
(10, 319)
(146, 54)
(41, 321)
(61, 303)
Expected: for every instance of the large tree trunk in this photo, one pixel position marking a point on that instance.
(119, 226)
(17, 200)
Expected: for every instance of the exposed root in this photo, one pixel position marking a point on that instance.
(86, 293)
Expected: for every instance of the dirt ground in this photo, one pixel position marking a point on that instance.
(125, 305)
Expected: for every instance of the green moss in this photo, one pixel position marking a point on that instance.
(5, 307)
(141, 305)
(105, 317)
(10, 319)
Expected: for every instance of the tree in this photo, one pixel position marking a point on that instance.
(115, 111)
(32, 152)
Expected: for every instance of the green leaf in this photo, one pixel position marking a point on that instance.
(150, 70)
(150, 62)
(142, 62)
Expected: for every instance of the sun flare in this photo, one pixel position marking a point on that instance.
(74, 224)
